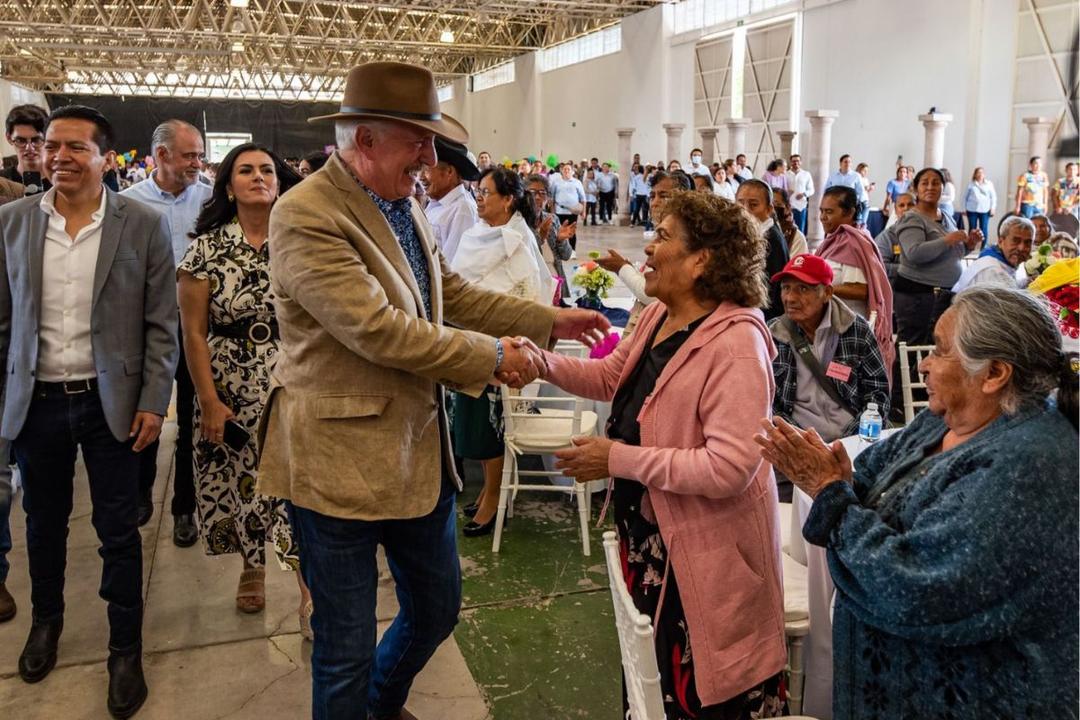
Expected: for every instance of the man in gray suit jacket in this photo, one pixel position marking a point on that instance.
(88, 335)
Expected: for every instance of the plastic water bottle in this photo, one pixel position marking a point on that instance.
(870, 424)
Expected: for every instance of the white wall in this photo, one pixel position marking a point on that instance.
(879, 63)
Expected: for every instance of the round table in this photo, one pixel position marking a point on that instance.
(817, 690)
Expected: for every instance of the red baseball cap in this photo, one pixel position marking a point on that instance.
(809, 269)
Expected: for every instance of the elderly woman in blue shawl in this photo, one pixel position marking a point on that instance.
(953, 544)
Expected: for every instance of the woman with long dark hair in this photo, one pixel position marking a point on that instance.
(231, 342)
(499, 253)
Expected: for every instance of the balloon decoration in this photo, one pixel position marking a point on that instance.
(506, 162)
(552, 161)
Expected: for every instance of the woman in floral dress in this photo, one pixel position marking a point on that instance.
(231, 341)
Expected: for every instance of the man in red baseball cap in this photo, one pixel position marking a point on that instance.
(828, 366)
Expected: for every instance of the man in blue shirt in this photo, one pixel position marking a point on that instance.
(607, 184)
(174, 189)
(846, 177)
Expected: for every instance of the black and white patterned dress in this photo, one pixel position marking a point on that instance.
(232, 516)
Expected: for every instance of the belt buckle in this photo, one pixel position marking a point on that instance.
(76, 387)
(259, 332)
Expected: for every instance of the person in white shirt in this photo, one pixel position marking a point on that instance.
(745, 172)
(451, 209)
(801, 188)
(90, 349)
(500, 254)
(696, 166)
(997, 264)
(722, 187)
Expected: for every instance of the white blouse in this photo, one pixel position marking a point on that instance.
(843, 274)
(505, 259)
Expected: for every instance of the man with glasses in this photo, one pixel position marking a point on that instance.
(25, 130)
(174, 189)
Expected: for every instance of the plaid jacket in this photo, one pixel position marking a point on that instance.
(857, 349)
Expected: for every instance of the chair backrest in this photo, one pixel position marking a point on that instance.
(539, 394)
(636, 644)
(908, 354)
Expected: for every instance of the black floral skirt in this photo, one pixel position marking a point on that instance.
(644, 557)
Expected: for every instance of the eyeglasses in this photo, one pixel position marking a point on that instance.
(660, 195)
(540, 192)
(484, 192)
(21, 142)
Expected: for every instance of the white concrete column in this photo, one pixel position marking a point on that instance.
(1038, 139)
(818, 163)
(622, 156)
(787, 141)
(674, 141)
(736, 135)
(934, 147)
(708, 144)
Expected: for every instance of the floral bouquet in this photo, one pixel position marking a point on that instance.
(595, 280)
(1041, 258)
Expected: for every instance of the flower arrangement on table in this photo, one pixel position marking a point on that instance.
(595, 280)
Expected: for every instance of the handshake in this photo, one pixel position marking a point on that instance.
(522, 363)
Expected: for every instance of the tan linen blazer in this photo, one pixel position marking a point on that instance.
(354, 426)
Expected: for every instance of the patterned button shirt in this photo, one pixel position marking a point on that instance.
(398, 214)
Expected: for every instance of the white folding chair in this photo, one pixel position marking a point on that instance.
(540, 433)
(636, 644)
(796, 626)
(907, 385)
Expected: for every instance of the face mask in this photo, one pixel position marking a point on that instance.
(696, 159)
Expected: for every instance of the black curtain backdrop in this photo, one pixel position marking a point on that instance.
(281, 126)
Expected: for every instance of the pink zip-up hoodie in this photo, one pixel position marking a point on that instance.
(707, 487)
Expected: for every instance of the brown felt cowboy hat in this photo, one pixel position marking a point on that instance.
(396, 91)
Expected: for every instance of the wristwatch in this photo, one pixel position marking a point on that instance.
(498, 354)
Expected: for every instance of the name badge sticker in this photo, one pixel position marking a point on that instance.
(837, 371)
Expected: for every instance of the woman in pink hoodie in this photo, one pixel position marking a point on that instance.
(695, 506)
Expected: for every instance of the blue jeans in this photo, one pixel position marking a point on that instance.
(57, 426)
(1029, 210)
(5, 508)
(350, 676)
(799, 217)
(981, 221)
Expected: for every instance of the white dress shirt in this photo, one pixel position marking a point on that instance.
(450, 216)
(800, 182)
(67, 293)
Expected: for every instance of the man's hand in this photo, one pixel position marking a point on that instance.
(145, 429)
(521, 364)
(613, 262)
(586, 326)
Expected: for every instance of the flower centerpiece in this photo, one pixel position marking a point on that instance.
(595, 280)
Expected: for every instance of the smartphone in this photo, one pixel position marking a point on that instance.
(235, 435)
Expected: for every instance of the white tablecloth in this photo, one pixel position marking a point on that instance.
(817, 691)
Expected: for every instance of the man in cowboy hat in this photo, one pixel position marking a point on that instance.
(354, 431)
(451, 210)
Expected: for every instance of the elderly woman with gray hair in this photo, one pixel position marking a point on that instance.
(953, 542)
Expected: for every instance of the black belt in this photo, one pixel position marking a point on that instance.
(256, 331)
(903, 284)
(69, 387)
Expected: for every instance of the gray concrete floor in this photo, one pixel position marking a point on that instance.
(203, 659)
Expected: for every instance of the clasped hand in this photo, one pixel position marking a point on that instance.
(803, 456)
(522, 362)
